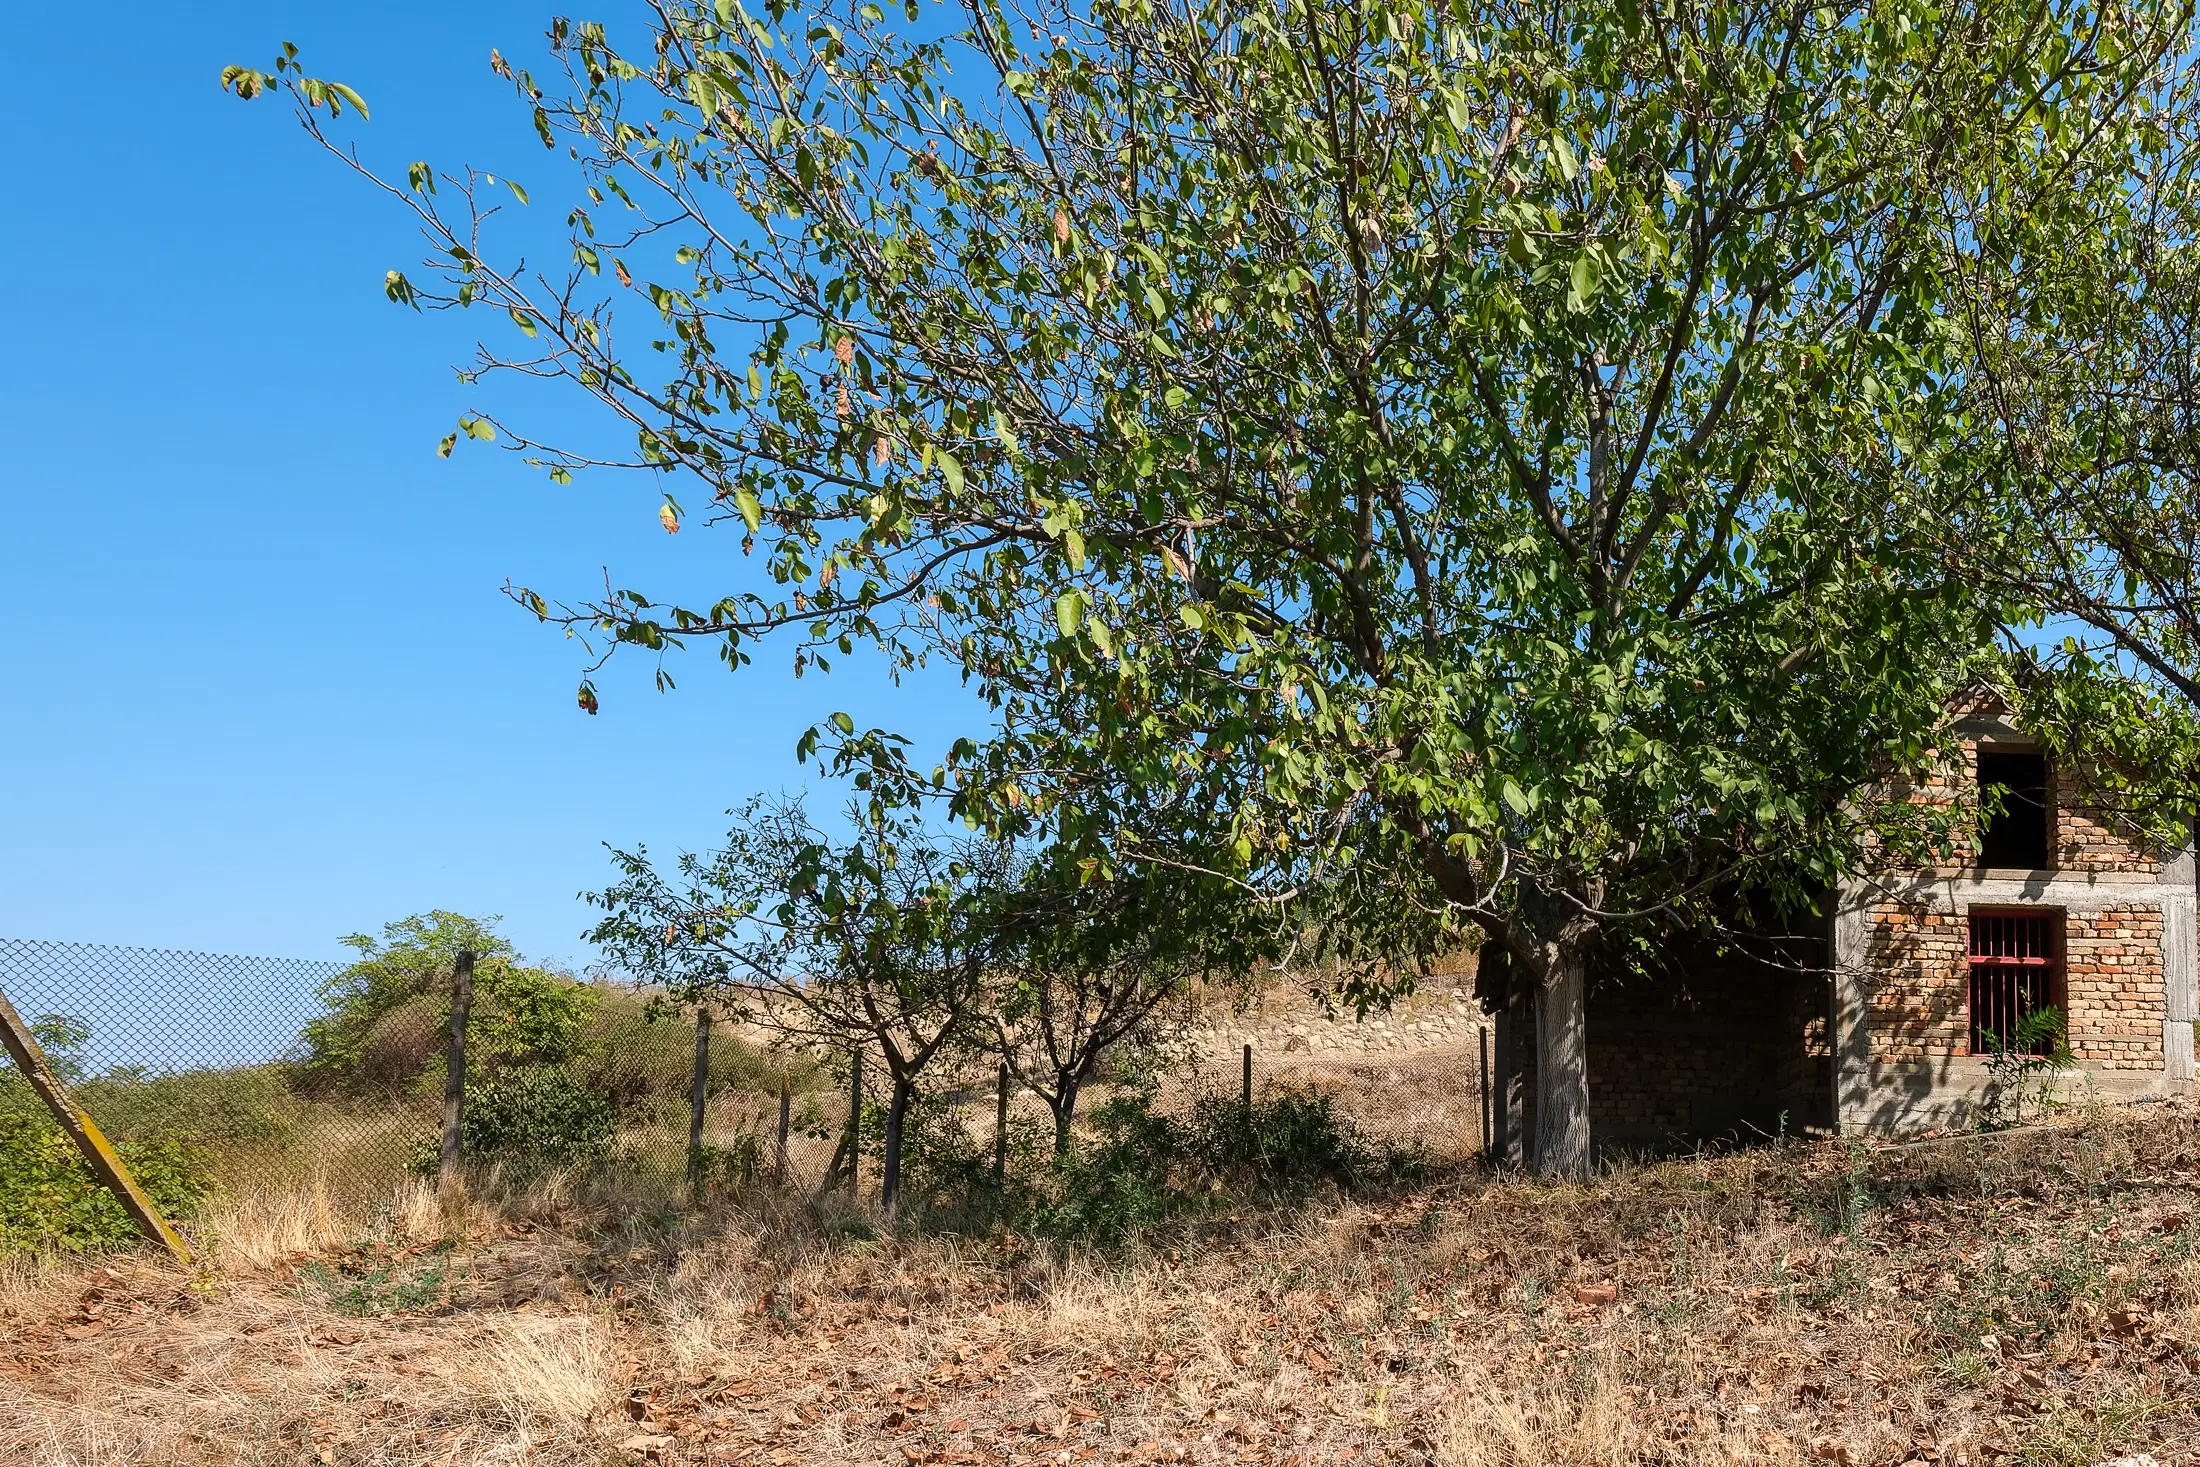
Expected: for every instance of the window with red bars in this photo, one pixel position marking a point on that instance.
(2012, 975)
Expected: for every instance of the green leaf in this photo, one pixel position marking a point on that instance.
(844, 723)
(1516, 798)
(1586, 275)
(1069, 612)
(350, 96)
(752, 512)
(517, 192)
(951, 469)
(1562, 153)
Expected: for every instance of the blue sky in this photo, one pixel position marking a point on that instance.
(263, 689)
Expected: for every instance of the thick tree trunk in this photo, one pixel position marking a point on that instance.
(1562, 1068)
(1065, 1115)
(897, 1111)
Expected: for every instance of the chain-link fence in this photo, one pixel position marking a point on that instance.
(246, 1077)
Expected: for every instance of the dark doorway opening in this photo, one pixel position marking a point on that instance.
(2016, 834)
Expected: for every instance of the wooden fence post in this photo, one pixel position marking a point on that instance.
(99, 1154)
(698, 1101)
(1248, 1085)
(1000, 1132)
(786, 1112)
(1484, 1035)
(454, 1076)
(855, 1125)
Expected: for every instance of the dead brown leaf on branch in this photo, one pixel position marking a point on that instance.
(2031, 1299)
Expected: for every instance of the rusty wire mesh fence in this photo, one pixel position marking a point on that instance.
(230, 1063)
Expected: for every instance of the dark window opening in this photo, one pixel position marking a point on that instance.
(2016, 834)
(2012, 978)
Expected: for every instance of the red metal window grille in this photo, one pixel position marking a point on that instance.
(2012, 975)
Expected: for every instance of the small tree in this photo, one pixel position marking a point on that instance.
(1086, 966)
(879, 942)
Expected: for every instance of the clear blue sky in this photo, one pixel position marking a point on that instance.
(262, 689)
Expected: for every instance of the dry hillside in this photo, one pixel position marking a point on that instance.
(2033, 1296)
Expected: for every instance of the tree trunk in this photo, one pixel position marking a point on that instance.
(1562, 1068)
(1065, 1115)
(897, 1110)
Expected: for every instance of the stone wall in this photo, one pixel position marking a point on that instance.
(1440, 1015)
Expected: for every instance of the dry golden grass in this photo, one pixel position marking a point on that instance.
(2033, 1297)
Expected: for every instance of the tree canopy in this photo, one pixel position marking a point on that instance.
(1482, 450)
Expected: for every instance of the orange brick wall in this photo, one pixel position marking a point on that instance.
(2088, 838)
(1919, 984)
(2087, 835)
(2112, 964)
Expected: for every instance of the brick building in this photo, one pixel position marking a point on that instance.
(2051, 903)
(1880, 1017)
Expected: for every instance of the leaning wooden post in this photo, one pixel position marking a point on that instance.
(454, 1077)
(698, 1100)
(99, 1154)
(1000, 1132)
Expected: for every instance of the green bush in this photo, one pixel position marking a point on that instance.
(535, 1118)
(49, 1199)
(218, 1109)
(1138, 1166)
(1287, 1145)
(1118, 1181)
(387, 1012)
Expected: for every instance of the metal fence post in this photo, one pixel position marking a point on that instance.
(454, 1075)
(1000, 1132)
(106, 1164)
(698, 1101)
(855, 1126)
(1248, 1084)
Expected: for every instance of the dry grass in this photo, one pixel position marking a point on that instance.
(2033, 1298)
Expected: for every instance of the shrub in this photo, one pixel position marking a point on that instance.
(1285, 1146)
(1116, 1182)
(386, 1013)
(534, 1118)
(49, 1198)
(217, 1109)
(1141, 1166)
(2023, 1068)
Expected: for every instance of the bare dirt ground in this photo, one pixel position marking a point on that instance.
(2032, 1297)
